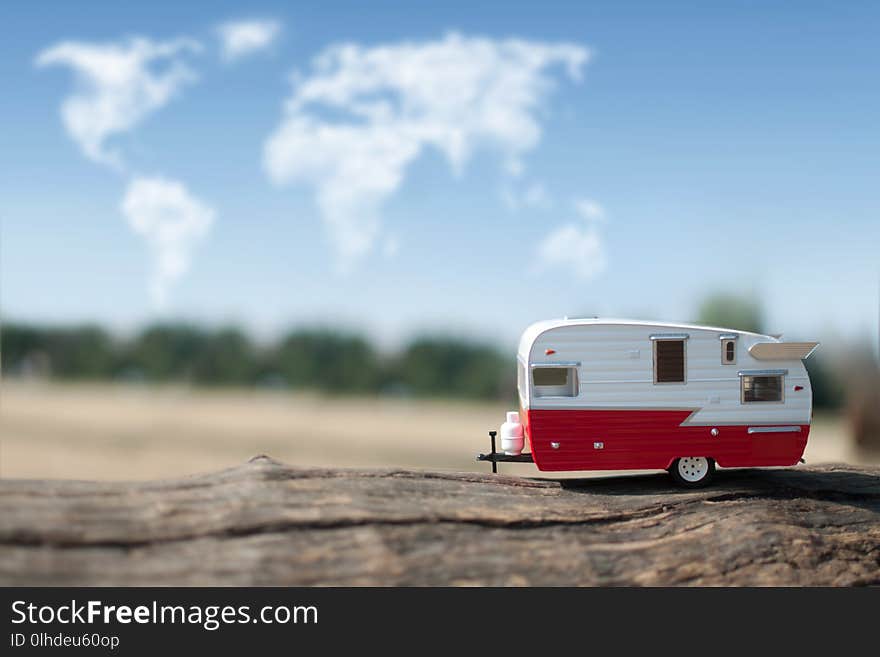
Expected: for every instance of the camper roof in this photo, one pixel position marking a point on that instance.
(532, 332)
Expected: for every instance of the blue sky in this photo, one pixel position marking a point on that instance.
(693, 148)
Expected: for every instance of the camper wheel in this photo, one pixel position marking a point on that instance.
(692, 471)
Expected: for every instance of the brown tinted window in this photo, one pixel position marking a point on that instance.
(550, 376)
(762, 388)
(729, 351)
(669, 361)
(555, 381)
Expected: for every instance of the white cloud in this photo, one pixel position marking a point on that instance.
(118, 85)
(577, 246)
(241, 38)
(172, 221)
(533, 196)
(391, 247)
(363, 115)
(589, 209)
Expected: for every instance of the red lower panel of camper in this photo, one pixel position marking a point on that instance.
(649, 440)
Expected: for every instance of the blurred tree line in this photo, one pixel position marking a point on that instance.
(339, 362)
(322, 359)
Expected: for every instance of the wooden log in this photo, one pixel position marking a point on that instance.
(265, 523)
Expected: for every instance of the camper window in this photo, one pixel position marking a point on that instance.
(555, 381)
(728, 352)
(761, 388)
(669, 361)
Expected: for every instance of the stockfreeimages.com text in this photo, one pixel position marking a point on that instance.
(210, 617)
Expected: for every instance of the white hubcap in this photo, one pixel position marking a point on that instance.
(693, 468)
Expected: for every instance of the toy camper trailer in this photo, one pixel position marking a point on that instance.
(601, 394)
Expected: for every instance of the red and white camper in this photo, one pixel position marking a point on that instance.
(603, 394)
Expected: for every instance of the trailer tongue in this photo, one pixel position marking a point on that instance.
(500, 457)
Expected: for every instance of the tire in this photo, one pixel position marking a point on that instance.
(692, 471)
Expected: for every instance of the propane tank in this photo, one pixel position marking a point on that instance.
(512, 441)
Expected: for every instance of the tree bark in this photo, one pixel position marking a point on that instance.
(265, 523)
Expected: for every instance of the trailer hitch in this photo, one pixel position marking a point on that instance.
(500, 457)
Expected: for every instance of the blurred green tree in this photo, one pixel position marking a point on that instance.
(732, 311)
(828, 389)
(79, 352)
(326, 359)
(451, 367)
(163, 352)
(17, 343)
(224, 357)
(85, 352)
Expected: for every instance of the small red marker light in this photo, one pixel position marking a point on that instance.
(547, 352)
(798, 388)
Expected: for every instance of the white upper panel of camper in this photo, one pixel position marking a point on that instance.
(628, 363)
(761, 347)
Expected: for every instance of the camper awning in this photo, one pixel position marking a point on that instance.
(782, 350)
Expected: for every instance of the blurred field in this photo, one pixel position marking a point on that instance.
(142, 432)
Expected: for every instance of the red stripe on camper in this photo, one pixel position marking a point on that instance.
(649, 440)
